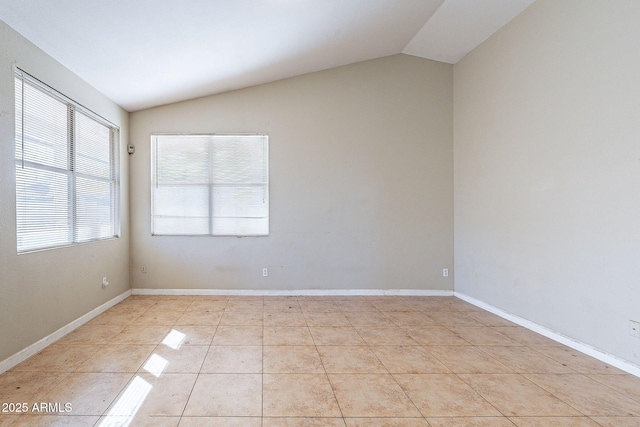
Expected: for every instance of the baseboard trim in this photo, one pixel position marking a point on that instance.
(294, 292)
(603, 356)
(34, 348)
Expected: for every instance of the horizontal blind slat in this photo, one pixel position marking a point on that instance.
(66, 163)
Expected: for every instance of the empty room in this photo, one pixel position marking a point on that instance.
(320, 213)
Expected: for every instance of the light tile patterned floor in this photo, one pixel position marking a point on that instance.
(313, 361)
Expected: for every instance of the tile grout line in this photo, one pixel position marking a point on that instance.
(396, 380)
(585, 373)
(200, 371)
(326, 374)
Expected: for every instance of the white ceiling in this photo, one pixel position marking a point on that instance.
(144, 53)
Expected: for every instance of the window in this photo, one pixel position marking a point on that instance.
(210, 184)
(66, 170)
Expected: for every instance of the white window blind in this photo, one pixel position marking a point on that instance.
(210, 184)
(66, 170)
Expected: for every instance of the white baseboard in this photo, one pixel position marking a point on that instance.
(603, 356)
(295, 292)
(34, 348)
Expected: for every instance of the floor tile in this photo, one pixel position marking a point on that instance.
(186, 359)
(7, 420)
(587, 395)
(626, 384)
(390, 304)
(386, 422)
(284, 319)
(234, 359)
(368, 318)
(148, 396)
(316, 318)
(27, 386)
(92, 334)
(140, 300)
(554, 422)
(453, 318)
(525, 360)
(468, 360)
(525, 336)
(470, 422)
(241, 318)
(173, 303)
(430, 304)
(483, 336)
(141, 335)
(238, 335)
(488, 319)
(298, 395)
(371, 395)
(282, 308)
(385, 336)
(617, 421)
(200, 318)
(354, 306)
(318, 305)
(59, 358)
(303, 422)
(444, 395)
(158, 318)
(577, 361)
(236, 304)
(350, 360)
(194, 335)
(437, 360)
(434, 335)
(54, 421)
(282, 299)
(226, 395)
(117, 358)
(409, 360)
(207, 305)
(336, 335)
(118, 316)
(220, 422)
(516, 396)
(463, 306)
(88, 393)
(285, 335)
(409, 318)
(294, 359)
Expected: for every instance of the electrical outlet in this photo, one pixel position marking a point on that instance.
(445, 272)
(105, 283)
(265, 272)
(634, 328)
(144, 269)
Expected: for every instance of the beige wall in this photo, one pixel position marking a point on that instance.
(360, 181)
(547, 170)
(43, 291)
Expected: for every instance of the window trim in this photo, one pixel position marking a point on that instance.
(73, 108)
(210, 185)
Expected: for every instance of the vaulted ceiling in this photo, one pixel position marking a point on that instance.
(144, 53)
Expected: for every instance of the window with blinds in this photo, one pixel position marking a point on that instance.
(66, 170)
(210, 184)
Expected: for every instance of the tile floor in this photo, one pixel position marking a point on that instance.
(313, 361)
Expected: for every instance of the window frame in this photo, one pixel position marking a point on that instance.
(211, 185)
(75, 113)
